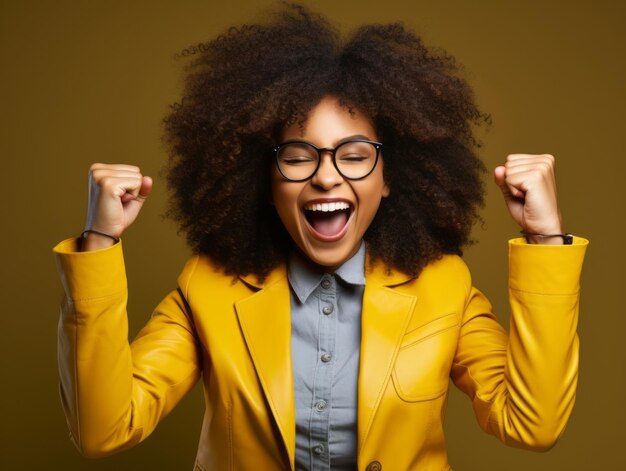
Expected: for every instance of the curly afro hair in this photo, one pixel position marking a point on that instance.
(244, 87)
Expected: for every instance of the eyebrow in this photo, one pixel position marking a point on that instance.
(337, 143)
(350, 138)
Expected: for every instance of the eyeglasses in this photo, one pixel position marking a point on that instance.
(298, 161)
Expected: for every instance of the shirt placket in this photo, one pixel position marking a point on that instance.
(322, 397)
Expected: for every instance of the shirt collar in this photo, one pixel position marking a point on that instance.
(304, 278)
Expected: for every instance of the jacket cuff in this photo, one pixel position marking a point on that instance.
(90, 275)
(546, 269)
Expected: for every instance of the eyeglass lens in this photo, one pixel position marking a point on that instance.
(299, 160)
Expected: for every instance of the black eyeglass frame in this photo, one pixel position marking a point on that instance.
(333, 151)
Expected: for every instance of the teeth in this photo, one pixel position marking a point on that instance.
(327, 207)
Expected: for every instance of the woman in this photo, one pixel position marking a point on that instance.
(327, 187)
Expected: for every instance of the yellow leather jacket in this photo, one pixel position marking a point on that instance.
(235, 335)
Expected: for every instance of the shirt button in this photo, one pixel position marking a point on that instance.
(318, 449)
(374, 466)
(328, 310)
(326, 357)
(325, 284)
(320, 406)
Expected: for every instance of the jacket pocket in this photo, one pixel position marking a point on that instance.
(422, 367)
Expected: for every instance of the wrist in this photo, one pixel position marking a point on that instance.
(96, 240)
(551, 238)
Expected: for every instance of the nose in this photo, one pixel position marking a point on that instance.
(327, 175)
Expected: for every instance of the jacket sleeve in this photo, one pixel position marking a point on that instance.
(113, 393)
(523, 387)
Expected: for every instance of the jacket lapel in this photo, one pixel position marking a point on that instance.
(266, 325)
(386, 314)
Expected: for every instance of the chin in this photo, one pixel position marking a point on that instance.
(330, 258)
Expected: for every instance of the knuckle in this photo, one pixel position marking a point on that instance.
(546, 166)
(545, 161)
(107, 182)
(99, 176)
(94, 168)
(96, 176)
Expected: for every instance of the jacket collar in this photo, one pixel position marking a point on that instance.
(375, 272)
(378, 273)
(275, 275)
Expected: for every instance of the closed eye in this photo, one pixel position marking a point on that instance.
(297, 160)
(353, 158)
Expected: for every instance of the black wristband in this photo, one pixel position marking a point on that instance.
(93, 231)
(568, 238)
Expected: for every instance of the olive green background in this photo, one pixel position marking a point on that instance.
(90, 81)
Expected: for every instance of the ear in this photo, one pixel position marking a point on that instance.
(386, 190)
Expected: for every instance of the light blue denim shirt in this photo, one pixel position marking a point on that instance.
(325, 344)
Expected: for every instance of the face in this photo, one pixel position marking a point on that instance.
(328, 215)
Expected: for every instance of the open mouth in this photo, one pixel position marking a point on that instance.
(328, 221)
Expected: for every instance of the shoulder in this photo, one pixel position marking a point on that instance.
(201, 273)
(446, 270)
(448, 266)
(203, 276)
(448, 276)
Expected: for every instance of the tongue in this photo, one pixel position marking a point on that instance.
(329, 223)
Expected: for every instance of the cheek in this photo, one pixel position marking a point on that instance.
(372, 193)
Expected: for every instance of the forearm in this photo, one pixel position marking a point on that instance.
(541, 370)
(95, 364)
(115, 394)
(523, 389)
(95, 369)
